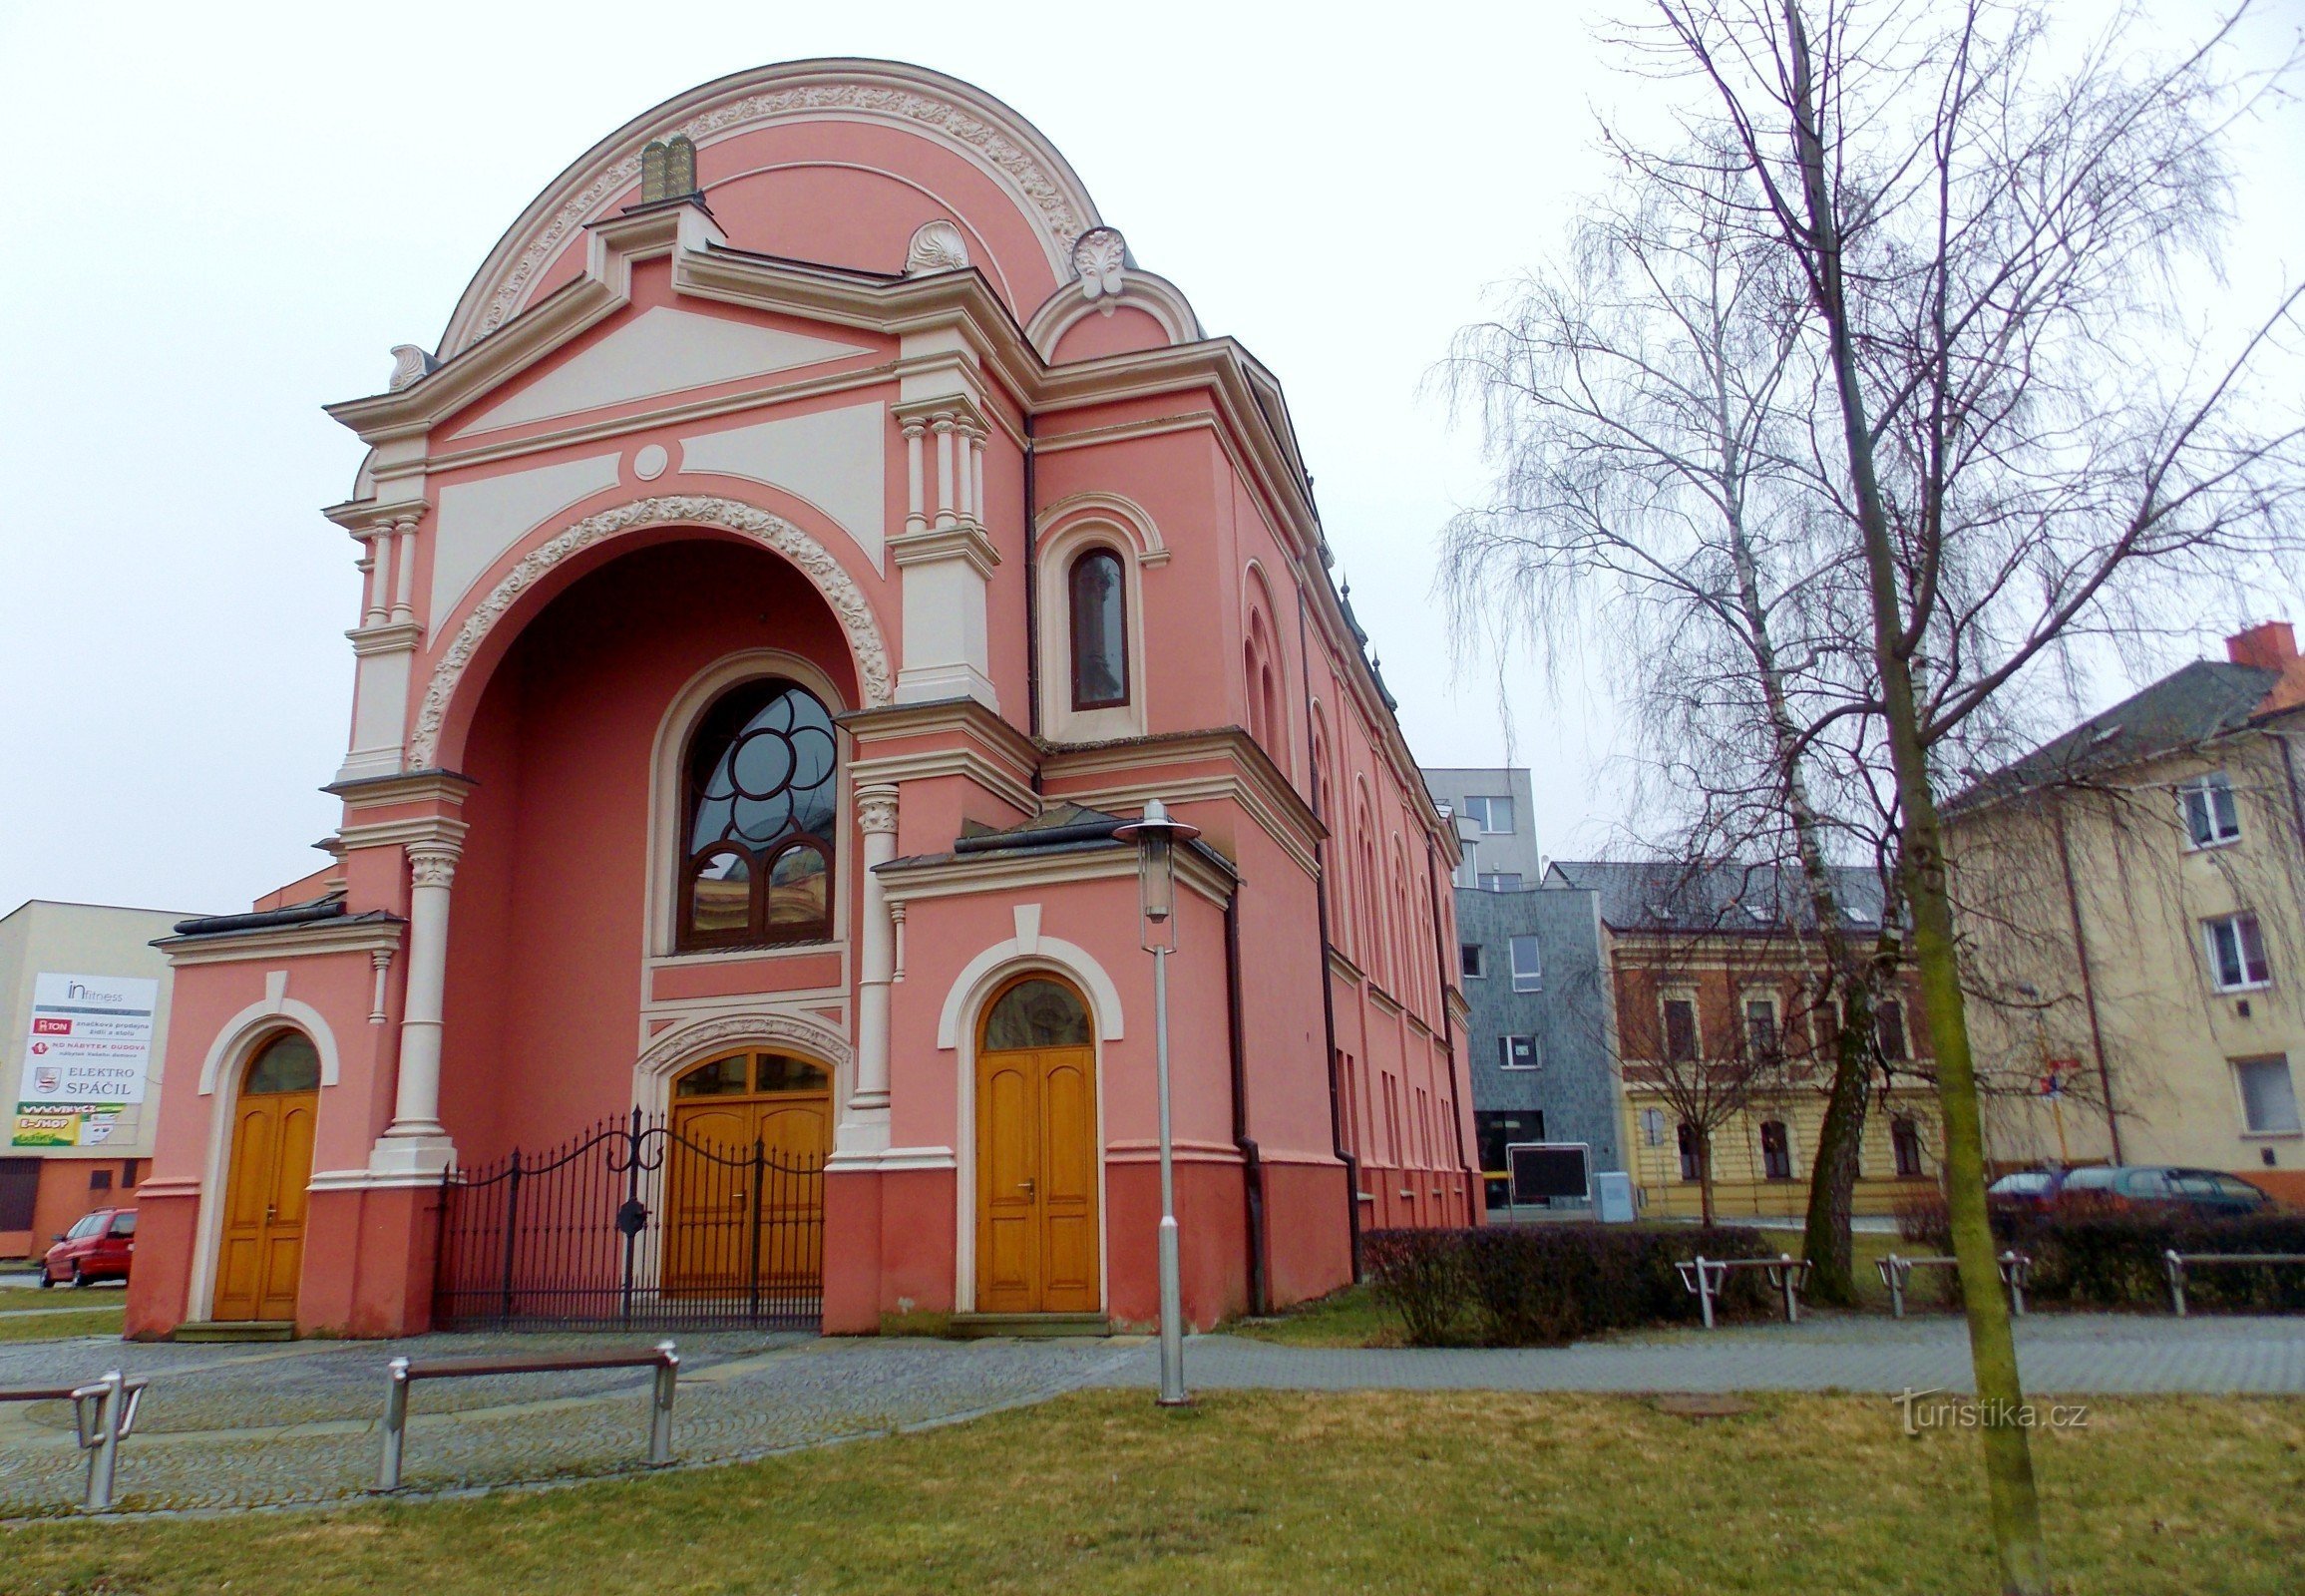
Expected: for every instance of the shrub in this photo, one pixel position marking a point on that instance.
(2107, 1258)
(1542, 1285)
(1924, 1219)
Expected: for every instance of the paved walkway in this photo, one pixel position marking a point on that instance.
(262, 1426)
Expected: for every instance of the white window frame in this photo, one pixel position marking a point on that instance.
(1525, 980)
(1489, 881)
(2291, 1131)
(1679, 994)
(1482, 812)
(2232, 924)
(1652, 1127)
(1505, 1053)
(2207, 790)
(1476, 966)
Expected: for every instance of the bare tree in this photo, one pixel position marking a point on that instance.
(1987, 248)
(1646, 402)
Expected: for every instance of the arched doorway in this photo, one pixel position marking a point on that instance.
(745, 1175)
(1037, 1229)
(260, 1256)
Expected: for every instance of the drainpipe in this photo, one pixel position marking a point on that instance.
(2088, 983)
(1472, 1185)
(1328, 995)
(1251, 1169)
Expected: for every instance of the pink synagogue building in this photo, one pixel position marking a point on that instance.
(811, 536)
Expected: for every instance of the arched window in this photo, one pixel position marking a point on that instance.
(287, 1063)
(1036, 1013)
(758, 800)
(1099, 601)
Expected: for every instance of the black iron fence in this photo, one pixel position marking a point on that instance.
(637, 1225)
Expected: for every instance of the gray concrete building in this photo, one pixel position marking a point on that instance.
(1536, 990)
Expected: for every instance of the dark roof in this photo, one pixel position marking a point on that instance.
(1748, 899)
(330, 907)
(2206, 699)
(1060, 827)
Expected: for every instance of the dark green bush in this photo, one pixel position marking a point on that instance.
(2101, 1258)
(1542, 1285)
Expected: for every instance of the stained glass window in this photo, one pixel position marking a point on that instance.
(761, 795)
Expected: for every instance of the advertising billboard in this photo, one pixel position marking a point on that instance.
(86, 1057)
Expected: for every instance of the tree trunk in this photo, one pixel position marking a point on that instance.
(2014, 1502)
(1704, 1177)
(1832, 1187)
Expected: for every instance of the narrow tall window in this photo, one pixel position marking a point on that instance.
(1099, 631)
(759, 804)
(1471, 953)
(1776, 1151)
(1889, 1028)
(1680, 1031)
(1760, 1028)
(1692, 1159)
(2211, 817)
(1528, 966)
(2237, 953)
(1905, 1144)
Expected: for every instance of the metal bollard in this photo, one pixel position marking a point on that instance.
(1788, 1282)
(660, 1405)
(1894, 1272)
(1705, 1290)
(2013, 1268)
(102, 1440)
(2175, 1264)
(395, 1422)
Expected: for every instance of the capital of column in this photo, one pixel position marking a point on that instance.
(877, 810)
(432, 864)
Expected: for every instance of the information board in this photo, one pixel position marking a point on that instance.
(86, 1057)
(1546, 1169)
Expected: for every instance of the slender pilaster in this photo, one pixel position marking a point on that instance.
(375, 573)
(416, 1143)
(863, 1128)
(942, 426)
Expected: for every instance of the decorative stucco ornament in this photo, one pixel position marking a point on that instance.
(936, 247)
(1100, 258)
(410, 364)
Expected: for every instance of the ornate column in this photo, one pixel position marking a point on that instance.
(916, 487)
(942, 426)
(863, 1126)
(416, 1143)
(375, 571)
(403, 569)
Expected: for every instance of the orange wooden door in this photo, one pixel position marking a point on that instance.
(262, 1255)
(796, 1134)
(1037, 1237)
(711, 1176)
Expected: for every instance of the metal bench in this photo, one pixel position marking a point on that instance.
(2178, 1263)
(664, 1357)
(1706, 1277)
(1897, 1272)
(103, 1416)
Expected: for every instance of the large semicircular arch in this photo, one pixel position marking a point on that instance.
(965, 117)
(875, 678)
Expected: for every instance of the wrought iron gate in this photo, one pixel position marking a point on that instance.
(633, 1224)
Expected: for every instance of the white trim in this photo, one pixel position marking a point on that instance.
(691, 1043)
(220, 1077)
(984, 975)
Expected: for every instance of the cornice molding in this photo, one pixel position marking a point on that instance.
(905, 880)
(874, 676)
(404, 787)
(685, 1043)
(312, 938)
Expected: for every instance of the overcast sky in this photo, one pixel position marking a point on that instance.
(222, 217)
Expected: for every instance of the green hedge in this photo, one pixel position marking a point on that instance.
(1542, 1285)
(2095, 1255)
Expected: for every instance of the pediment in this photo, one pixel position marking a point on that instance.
(660, 351)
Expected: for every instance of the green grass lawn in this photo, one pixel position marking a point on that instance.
(1301, 1493)
(71, 1316)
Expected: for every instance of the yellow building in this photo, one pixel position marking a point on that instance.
(1714, 1020)
(2129, 900)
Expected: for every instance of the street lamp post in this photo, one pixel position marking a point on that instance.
(1156, 837)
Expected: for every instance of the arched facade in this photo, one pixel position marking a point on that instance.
(772, 594)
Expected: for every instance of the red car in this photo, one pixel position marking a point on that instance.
(99, 1247)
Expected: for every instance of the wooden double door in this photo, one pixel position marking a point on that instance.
(750, 1133)
(1038, 1232)
(261, 1253)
